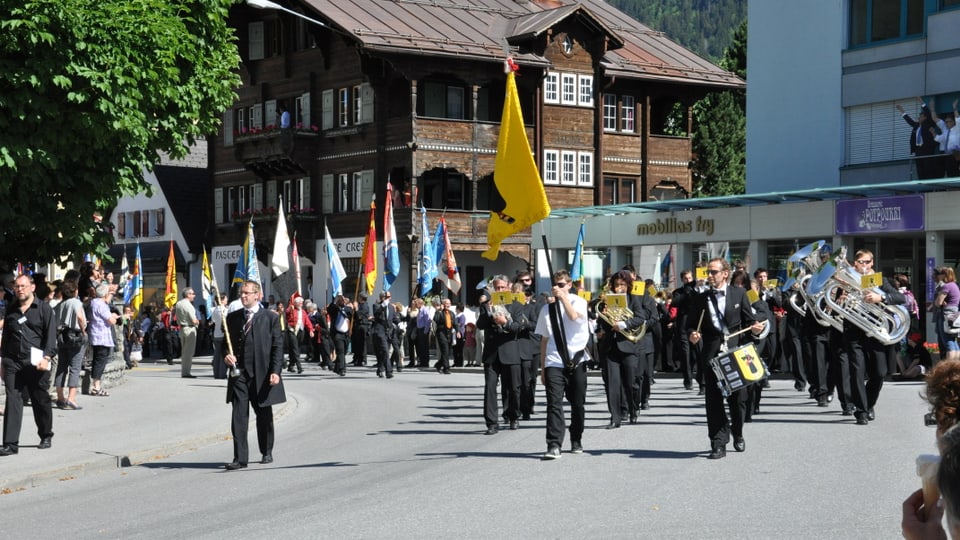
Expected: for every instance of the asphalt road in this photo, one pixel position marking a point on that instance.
(362, 457)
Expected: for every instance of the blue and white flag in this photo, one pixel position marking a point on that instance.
(337, 273)
(391, 250)
(576, 271)
(247, 267)
(428, 260)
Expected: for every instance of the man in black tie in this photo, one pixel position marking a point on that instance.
(340, 312)
(718, 312)
(445, 321)
(385, 321)
(258, 357)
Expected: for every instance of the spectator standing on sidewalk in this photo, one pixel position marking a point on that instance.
(187, 317)
(28, 347)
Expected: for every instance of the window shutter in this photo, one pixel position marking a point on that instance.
(121, 225)
(257, 196)
(366, 98)
(160, 221)
(272, 194)
(136, 224)
(270, 113)
(218, 205)
(255, 40)
(366, 189)
(327, 109)
(304, 201)
(858, 127)
(326, 188)
(228, 127)
(305, 112)
(256, 116)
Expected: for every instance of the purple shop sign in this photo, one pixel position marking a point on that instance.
(880, 215)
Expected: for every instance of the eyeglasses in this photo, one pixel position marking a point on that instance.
(563, 284)
(247, 293)
(714, 272)
(864, 261)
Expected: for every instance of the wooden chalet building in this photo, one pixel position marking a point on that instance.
(412, 91)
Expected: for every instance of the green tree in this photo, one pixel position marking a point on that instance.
(720, 135)
(91, 93)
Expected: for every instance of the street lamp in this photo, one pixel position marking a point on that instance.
(267, 4)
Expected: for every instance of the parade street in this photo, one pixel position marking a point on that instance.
(363, 457)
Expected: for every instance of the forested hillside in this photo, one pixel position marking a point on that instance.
(703, 26)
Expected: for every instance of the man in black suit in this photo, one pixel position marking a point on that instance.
(258, 356)
(340, 312)
(362, 319)
(866, 355)
(445, 321)
(684, 354)
(501, 357)
(529, 343)
(725, 310)
(923, 142)
(385, 320)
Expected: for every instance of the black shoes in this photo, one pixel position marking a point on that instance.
(390, 375)
(526, 416)
(870, 415)
(514, 424)
(232, 466)
(688, 387)
(188, 376)
(266, 459)
(701, 391)
(8, 450)
(576, 447)
(380, 374)
(45, 443)
(633, 419)
(822, 401)
(717, 452)
(492, 430)
(739, 444)
(862, 419)
(645, 406)
(613, 425)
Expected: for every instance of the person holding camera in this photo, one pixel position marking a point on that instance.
(501, 356)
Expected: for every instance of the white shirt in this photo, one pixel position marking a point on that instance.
(577, 332)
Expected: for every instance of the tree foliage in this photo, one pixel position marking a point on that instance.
(91, 93)
(720, 135)
(703, 26)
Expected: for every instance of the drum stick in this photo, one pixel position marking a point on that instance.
(700, 321)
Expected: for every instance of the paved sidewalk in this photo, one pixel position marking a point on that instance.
(155, 414)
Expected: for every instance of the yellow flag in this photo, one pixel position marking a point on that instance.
(170, 298)
(515, 177)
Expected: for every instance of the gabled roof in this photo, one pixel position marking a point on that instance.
(476, 29)
(187, 190)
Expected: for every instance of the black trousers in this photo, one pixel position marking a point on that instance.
(509, 376)
(719, 425)
(529, 369)
(359, 343)
(443, 349)
(422, 346)
(621, 374)
(340, 343)
(244, 387)
(818, 353)
(686, 357)
(838, 372)
(572, 383)
(868, 367)
(381, 347)
(19, 379)
(293, 349)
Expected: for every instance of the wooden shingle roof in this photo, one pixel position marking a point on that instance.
(477, 29)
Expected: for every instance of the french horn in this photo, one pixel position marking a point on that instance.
(614, 314)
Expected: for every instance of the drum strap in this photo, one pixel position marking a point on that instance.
(559, 334)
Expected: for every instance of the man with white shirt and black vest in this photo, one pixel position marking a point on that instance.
(719, 312)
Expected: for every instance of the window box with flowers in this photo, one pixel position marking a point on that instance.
(932, 348)
(303, 214)
(254, 133)
(257, 214)
(311, 131)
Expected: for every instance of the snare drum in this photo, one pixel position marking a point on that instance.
(738, 368)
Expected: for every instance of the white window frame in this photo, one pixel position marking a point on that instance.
(628, 111)
(609, 112)
(551, 88)
(568, 168)
(585, 90)
(344, 107)
(568, 89)
(357, 104)
(585, 169)
(551, 167)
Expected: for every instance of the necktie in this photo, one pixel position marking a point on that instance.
(248, 323)
(446, 315)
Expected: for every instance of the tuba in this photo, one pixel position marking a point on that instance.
(888, 324)
(614, 314)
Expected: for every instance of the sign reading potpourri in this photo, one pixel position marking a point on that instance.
(880, 214)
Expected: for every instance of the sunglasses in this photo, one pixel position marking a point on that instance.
(864, 261)
(714, 272)
(563, 284)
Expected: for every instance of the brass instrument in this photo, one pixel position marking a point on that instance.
(613, 314)
(887, 324)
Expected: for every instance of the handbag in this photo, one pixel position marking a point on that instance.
(136, 352)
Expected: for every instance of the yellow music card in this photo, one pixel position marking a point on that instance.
(586, 295)
(871, 280)
(501, 298)
(771, 283)
(616, 300)
(701, 273)
(752, 295)
(651, 291)
(520, 297)
(638, 288)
